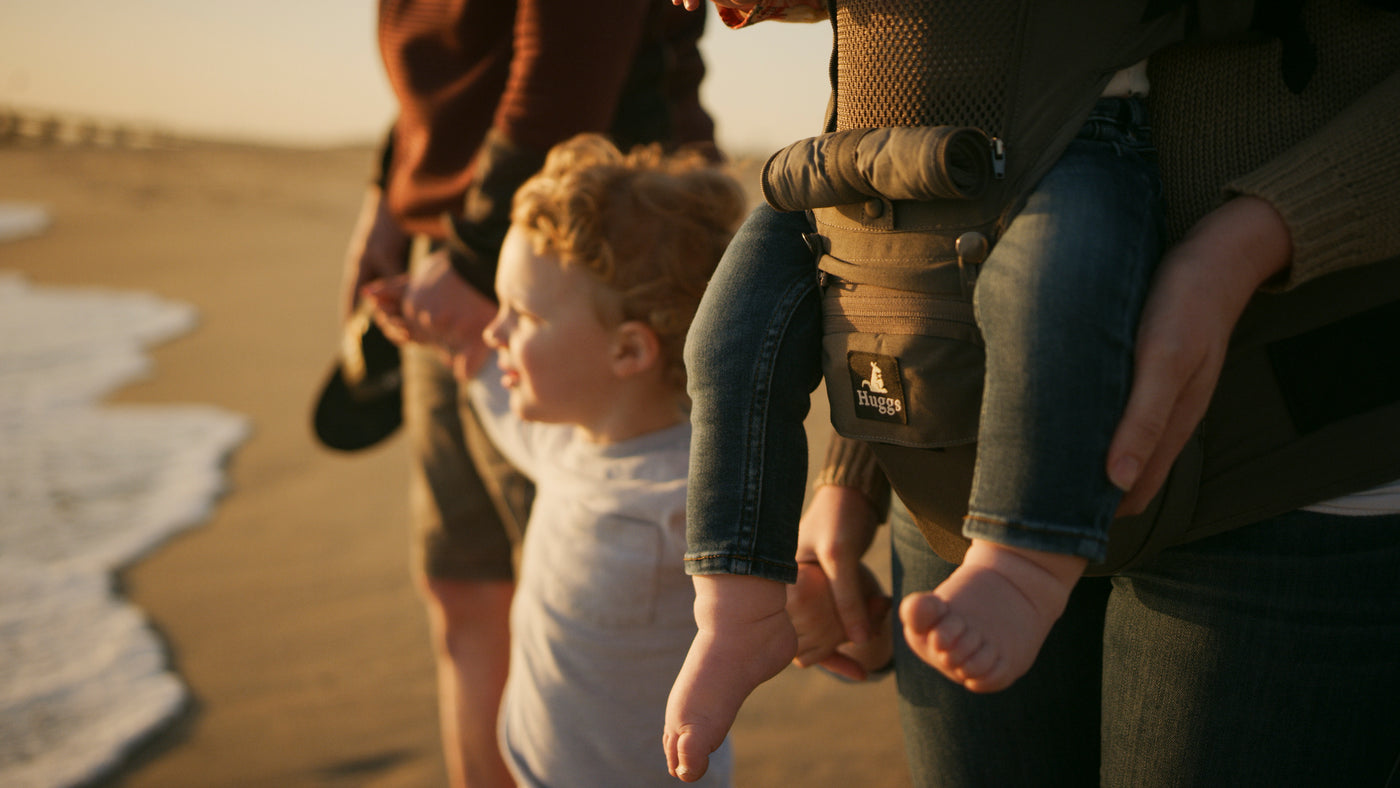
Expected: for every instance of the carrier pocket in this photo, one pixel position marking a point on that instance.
(901, 367)
(904, 371)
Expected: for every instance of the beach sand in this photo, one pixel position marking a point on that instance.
(291, 613)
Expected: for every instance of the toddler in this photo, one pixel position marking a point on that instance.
(599, 277)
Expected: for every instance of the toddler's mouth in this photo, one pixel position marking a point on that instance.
(509, 377)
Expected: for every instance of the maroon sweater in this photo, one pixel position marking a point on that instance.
(529, 73)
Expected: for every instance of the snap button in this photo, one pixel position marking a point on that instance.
(972, 247)
(874, 209)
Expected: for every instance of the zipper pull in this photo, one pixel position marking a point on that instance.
(998, 158)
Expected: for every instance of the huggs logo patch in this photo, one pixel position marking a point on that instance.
(876, 387)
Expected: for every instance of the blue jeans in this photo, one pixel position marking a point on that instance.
(752, 358)
(1265, 656)
(1060, 295)
(1058, 302)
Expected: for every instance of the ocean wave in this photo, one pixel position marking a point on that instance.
(84, 491)
(22, 219)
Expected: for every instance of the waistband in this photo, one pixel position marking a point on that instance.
(1119, 111)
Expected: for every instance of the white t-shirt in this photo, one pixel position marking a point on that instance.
(603, 610)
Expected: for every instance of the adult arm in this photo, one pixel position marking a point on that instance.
(1201, 287)
(1335, 191)
(569, 65)
(378, 250)
(378, 247)
(837, 604)
(743, 13)
(850, 636)
(1325, 204)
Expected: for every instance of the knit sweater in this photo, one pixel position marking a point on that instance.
(531, 74)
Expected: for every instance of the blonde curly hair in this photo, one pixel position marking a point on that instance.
(649, 226)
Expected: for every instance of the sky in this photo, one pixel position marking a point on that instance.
(307, 73)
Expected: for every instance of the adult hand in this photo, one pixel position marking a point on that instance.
(833, 606)
(378, 250)
(385, 297)
(821, 637)
(1201, 287)
(440, 308)
(739, 5)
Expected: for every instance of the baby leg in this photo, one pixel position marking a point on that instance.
(744, 639)
(1058, 303)
(752, 359)
(984, 625)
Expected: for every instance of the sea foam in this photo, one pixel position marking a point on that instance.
(86, 489)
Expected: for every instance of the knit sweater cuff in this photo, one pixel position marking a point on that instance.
(474, 238)
(1328, 189)
(1325, 222)
(851, 463)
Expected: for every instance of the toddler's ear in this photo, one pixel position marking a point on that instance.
(635, 349)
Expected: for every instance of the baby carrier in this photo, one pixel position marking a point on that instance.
(943, 117)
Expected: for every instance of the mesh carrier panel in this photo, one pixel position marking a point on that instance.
(925, 62)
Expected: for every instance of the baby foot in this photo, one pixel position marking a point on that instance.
(744, 639)
(985, 624)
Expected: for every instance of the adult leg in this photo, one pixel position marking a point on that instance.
(469, 624)
(465, 534)
(1042, 731)
(1268, 655)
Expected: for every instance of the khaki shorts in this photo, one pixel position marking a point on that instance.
(468, 505)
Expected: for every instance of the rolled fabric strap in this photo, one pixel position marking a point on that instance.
(900, 163)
